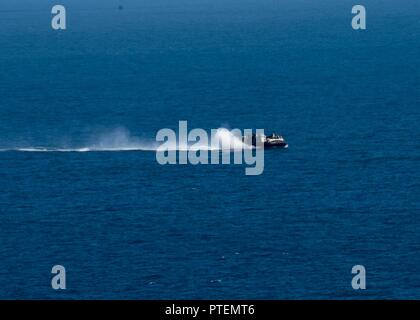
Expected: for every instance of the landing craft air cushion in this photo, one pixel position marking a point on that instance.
(271, 141)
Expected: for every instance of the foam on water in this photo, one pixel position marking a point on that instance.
(121, 140)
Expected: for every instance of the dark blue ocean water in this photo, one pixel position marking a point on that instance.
(345, 192)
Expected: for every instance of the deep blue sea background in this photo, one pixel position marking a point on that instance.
(346, 191)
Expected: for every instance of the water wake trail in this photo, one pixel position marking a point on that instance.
(120, 140)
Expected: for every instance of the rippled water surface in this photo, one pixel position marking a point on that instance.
(345, 192)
